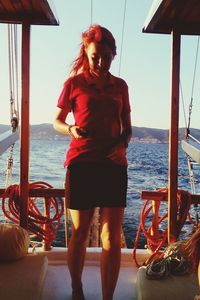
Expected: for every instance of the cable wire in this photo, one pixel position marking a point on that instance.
(91, 11)
(183, 104)
(193, 82)
(122, 37)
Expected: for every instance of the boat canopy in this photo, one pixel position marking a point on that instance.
(37, 12)
(167, 15)
(177, 18)
(27, 13)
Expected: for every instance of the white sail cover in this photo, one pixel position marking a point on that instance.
(191, 150)
(7, 139)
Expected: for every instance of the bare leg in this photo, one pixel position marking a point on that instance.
(111, 221)
(81, 221)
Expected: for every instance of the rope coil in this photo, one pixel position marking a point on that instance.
(157, 241)
(36, 221)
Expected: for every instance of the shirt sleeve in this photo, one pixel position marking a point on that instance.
(64, 100)
(126, 102)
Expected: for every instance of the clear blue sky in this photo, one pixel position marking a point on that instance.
(145, 61)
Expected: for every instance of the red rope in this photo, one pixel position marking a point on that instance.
(36, 220)
(155, 243)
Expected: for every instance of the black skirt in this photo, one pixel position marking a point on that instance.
(90, 185)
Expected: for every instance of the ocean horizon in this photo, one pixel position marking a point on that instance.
(147, 170)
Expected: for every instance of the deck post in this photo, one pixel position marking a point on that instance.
(47, 226)
(24, 141)
(155, 226)
(173, 138)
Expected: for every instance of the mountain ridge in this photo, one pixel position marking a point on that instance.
(46, 131)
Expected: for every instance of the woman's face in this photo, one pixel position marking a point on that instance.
(100, 57)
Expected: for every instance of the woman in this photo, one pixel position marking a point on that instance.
(96, 160)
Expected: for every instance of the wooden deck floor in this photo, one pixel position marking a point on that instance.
(57, 282)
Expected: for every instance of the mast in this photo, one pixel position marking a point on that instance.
(25, 127)
(173, 138)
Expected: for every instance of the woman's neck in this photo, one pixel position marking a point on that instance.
(99, 79)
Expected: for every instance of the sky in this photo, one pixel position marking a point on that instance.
(145, 62)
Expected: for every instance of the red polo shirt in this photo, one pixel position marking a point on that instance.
(100, 112)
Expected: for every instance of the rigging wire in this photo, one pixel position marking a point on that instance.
(122, 37)
(16, 72)
(193, 82)
(188, 135)
(183, 104)
(13, 71)
(11, 65)
(14, 92)
(91, 11)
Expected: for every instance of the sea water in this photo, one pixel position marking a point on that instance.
(147, 170)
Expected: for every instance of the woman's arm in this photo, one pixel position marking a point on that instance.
(61, 126)
(126, 128)
(59, 122)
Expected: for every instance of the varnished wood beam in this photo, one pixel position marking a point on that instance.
(25, 131)
(173, 138)
(163, 196)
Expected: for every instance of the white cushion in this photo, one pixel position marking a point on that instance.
(23, 279)
(173, 287)
(14, 242)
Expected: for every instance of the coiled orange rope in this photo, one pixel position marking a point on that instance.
(36, 220)
(155, 243)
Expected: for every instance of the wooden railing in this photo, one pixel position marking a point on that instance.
(163, 196)
(156, 197)
(94, 236)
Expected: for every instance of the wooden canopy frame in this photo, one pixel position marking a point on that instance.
(174, 18)
(27, 13)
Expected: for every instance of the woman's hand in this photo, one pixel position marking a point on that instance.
(76, 131)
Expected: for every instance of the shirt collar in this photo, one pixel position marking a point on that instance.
(91, 81)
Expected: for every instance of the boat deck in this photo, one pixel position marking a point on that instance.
(45, 276)
(57, 281)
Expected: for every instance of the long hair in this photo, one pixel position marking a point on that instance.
(97, 34)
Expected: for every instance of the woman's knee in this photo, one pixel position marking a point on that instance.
(110, 240)
(80, 235)
(81, 221)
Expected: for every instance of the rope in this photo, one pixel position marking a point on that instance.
(122, 38)
(16, 105)
(191, 175)
(13, 71)
(194, 76)
(9, 166)
(36, 221)
(155, 243)
(14, 92)
(10, 60)
(179, 258)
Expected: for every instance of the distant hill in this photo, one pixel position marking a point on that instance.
(140, 134)
(40, 132)
(150, 134)
(159, 135)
